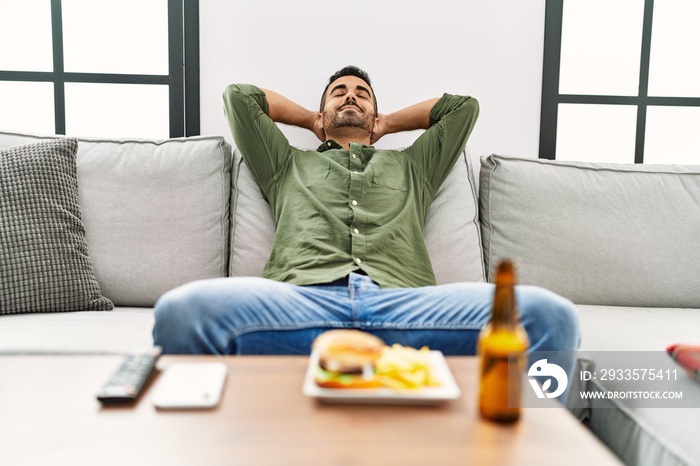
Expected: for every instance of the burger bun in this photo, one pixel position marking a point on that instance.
(346, 358)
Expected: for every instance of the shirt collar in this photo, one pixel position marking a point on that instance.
(331, 144)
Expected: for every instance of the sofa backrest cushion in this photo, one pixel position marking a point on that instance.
(604, 234)
(156, 213)
(452, 229)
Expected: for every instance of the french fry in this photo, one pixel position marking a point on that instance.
(401, 367)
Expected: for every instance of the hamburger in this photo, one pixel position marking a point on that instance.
(346, 359)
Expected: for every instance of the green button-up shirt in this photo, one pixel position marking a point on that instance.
(337, 211)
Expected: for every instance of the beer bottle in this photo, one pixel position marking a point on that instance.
(502, 346)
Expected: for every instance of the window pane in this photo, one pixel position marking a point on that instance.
(672, 135)
(27, 107)
(25, 35)
(601, 47)
(117, 110)
(674, 66)
(125, 36)
(596, 133)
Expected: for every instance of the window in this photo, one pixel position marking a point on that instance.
(621, 81)
(120, 68)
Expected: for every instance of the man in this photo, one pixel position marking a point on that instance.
(349, 250)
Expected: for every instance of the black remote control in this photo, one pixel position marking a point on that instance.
(126, 383)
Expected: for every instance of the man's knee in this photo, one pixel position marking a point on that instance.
(185, 317)
(178, 302)
(203, 316)
(551, 320)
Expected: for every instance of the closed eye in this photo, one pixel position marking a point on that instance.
(339, 90)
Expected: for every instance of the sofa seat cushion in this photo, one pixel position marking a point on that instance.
(639, 435)
(452, 232)
(122, 330)
(647, 436)
(156, 212)
(596, 233)
(610, 328)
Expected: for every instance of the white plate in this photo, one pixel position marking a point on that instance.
(448, 390)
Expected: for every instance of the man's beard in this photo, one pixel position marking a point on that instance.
(340, 119)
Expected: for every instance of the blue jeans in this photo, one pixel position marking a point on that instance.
(251, 315)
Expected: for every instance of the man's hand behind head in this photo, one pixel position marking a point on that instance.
(380, 128)
(318, 128)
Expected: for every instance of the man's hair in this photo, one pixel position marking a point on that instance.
(349, 71)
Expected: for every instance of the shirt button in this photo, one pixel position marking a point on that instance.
(329, 144)
(356, 231)
(358, 260)
(354, 156)
(354, 202)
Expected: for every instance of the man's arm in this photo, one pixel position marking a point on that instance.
(452, 120)
(283, 110)
(408, 119)
(263, 145)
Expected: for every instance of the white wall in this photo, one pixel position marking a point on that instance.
(413, 50)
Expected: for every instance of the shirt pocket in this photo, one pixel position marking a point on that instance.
(390, 173)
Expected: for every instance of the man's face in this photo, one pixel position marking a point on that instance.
(349, 103)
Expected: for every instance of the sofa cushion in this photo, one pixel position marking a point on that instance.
(252, 226)
(43, 251)
(451, 230)
(639, 435)
(122, 330)
(607, 328)
(606, 234)
(156, 213)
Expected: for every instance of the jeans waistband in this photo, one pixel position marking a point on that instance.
(345, 280)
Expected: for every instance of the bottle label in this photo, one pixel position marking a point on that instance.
(501, 384)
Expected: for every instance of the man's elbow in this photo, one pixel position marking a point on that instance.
(473, 105)
(231, 92)
(236, 95)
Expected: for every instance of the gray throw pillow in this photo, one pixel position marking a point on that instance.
(44, 262)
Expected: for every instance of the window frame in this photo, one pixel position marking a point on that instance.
(182, 78)
(551, 98)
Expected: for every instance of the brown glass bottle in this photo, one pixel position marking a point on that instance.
(502, 347)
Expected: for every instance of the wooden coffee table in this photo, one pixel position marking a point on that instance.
(49, 416)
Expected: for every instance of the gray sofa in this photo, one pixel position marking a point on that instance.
(619, 241)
